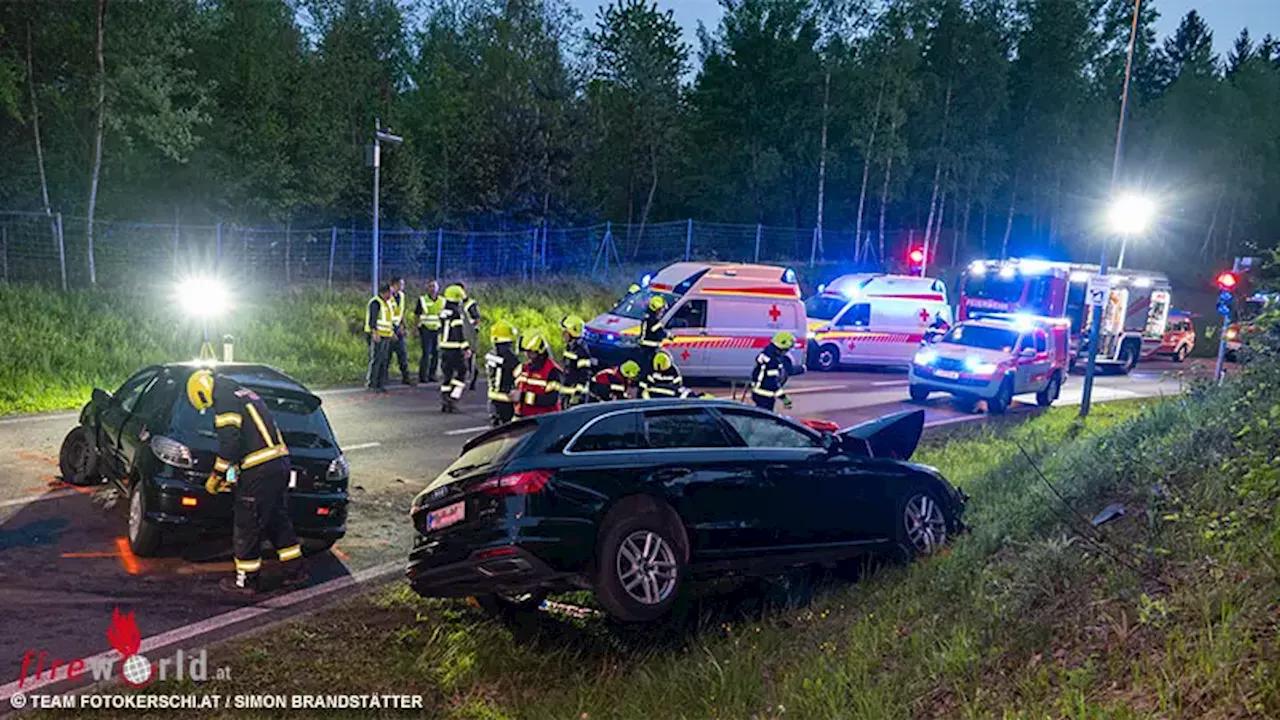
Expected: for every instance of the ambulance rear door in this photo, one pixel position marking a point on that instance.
(739, 327)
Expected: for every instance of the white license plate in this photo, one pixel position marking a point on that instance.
(446, 516)
(948, 374)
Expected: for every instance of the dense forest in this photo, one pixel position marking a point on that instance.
(978, 123)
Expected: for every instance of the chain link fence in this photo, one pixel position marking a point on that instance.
(55, 250)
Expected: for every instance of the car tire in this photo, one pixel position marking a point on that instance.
(919, 393)
(316, 546)
(144, 535)
(825, 358)
(1128, 359)
(640, 567)
(1045, 397)
(921, 523)
(78, 458)
(999, 404)
(1181, 354)
(511, 607)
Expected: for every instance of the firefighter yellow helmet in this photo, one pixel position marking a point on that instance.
(784, 340)
(200, 390)
(502, 332)
(662, 361)
(534, 343)
(656, 303)
(455, 293)
(630, 369)
(633, 289)
(573, 325)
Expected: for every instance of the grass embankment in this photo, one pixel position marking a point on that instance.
(1170, 611)
(59, 346)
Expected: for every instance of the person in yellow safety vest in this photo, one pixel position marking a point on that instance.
(773, 366)
(379, 329)
(428, 312)
(663, 379)
(455, 350)
(252, 459)
(652, 333)
(577, 362)
(471, 311)
(501, 365)
(398, 347)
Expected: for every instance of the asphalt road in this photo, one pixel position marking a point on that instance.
(65, 566)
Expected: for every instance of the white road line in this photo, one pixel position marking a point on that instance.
(37, 418)
(954, 420)
(816, 389)
(362, 446)
(37, 498)
(888, 383)
(217, 622)
(468, 431)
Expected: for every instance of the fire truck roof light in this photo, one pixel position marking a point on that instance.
(1035, 267)
(977, 267)
(1008, 271)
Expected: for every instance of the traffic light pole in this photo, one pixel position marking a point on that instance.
(1092, 368)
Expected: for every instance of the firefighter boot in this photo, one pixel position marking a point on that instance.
(242, 584)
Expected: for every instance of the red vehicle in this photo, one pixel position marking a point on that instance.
(1179, 337)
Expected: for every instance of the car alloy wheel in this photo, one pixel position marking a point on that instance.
(924, 523)
(646, 567)
(828, 358)
(1181, 354)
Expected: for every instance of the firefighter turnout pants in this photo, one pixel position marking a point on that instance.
(501, 413)
(261, 514)
(453, 375)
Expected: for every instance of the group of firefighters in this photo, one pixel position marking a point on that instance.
(448, 325)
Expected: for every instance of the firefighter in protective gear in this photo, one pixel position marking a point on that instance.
(455, 350)
(399, 349)
(252, 458)
(538, 383)
(635, 288)
(428, 312)
(501, 366)
(937, 329)
(379, 328)
(471, 311)
(577, 362)
(663, 379)
(773, 366)
(614, 383)
(652, 333)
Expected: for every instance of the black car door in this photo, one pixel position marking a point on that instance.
(112, 417)
(150, 416)
(710, 481)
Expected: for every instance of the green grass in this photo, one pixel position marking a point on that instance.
(1169, 612)
(59, 346)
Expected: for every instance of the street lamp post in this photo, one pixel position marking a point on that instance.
(380, 136)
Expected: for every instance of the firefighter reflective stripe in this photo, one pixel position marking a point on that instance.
(430, 317)
(446, 343)
(221, 466)
(539, 382)
(265, 455)
(584, 362)
(767, 393)
(293, 552)
(227, 420)
(772, 373)
(248, 566)
(496, 396)
(618, 388)
(267, 440)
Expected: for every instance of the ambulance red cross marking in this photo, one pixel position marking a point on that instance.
(684, 355)
(924, 315)
(775, 313)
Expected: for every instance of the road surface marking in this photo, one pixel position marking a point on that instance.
(339, 554)
(468, 431)
(362, 446)
(952, 421)
(127, 558)
(38, 418)
(817, 389)
(888, 383)
(90, 554)
(47, 496)
(217, 622)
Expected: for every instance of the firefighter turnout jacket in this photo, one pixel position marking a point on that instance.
(577, 370)
(538, 388)
(453, 335)
(652, 331)
(428, 311)
(247, 433)
(501, 367)
(609, 384)
(379, 320)
(657, 384)
(770, 375)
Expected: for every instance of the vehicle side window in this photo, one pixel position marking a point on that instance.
(1042, 342)
(692, 314)
(617, 432)
(158, 398)
(762, 431)
(683, 429)
(128, 394)
(857, 315)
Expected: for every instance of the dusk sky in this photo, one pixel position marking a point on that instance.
(1225, 17)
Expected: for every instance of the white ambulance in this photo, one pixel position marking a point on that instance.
(719, 317)
(873, 319)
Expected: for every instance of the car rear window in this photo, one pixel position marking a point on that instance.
(665, 429)
(300, 419)
(614, 432)
(492, 451)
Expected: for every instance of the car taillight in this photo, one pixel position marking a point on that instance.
(339, 471)
(172, 452)
(521, 483)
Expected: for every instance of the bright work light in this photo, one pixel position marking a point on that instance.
(203, 297)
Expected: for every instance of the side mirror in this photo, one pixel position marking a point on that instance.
(1028, 352)
(101, 397)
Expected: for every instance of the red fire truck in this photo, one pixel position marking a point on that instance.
(1134, 318)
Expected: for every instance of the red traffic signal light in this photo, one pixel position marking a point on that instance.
(916, 256)
(1228, 281)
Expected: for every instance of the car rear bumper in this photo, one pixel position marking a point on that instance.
(314, 515)
(515, 571)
